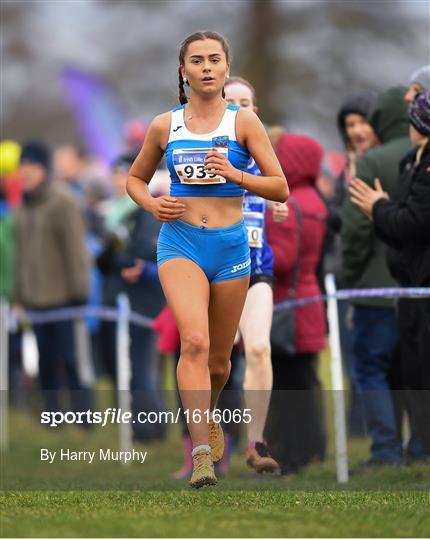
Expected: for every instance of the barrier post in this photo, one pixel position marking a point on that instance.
(337, 382)
(84, 354)
(4, 374)
(123, 369)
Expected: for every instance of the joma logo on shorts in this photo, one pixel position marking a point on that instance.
(240, 266)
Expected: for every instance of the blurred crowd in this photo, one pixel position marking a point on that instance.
(71, 236)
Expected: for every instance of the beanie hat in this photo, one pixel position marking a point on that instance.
(422, 77)
(419, 113)
(36, 152)
(357, 104)
(300, 157)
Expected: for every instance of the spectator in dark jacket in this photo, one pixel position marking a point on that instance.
(295, 429)
(404, 224)
(132, 245)
(51, 270)
(375, 328)
(358, 137)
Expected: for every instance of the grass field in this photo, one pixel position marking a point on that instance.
(216, 513)
(108, 499)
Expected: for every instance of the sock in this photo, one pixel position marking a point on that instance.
(211, 417)
(200, 447)
(251, 444)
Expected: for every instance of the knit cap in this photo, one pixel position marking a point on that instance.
(356, 104)
(419, 113)
(36, 152)
(422, 77)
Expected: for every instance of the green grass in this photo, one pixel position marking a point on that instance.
(107, 499)
(215, 513)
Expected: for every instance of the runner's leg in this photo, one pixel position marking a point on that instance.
(255, 324)
(227, 299)
(187, 292)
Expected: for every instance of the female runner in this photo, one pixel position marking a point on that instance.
(203, 253)
(256, 319)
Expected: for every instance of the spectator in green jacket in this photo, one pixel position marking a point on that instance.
(375, 332)
(51, 271)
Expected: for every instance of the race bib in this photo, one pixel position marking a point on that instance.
(190, 166)
(254, 222)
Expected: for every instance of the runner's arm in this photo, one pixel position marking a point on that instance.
(164, 208)
(272, 185)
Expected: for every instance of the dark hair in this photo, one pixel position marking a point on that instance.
(198, 36)
(240, 80)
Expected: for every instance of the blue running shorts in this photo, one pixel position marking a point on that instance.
(222, 253)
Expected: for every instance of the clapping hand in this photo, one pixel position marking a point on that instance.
(364, 196)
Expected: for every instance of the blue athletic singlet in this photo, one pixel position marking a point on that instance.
(186, 152)
(254, 210)
(222, 253)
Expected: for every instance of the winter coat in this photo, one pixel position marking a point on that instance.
(356, 104)
(51, 259)
(300, 158)
(404, 223)
(363, 253)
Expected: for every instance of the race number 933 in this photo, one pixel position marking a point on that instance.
(190, 166)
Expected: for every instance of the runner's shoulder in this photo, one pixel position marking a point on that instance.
(246, 117)
(159, 128)
(248, 124)
(161, 122)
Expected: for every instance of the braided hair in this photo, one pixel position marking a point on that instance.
(198, 36)
(182, 95)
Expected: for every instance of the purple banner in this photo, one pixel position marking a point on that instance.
(97, 111)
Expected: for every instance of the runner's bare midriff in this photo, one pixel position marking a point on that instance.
(212, 211)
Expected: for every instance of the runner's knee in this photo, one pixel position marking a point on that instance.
(219, 364)
(258, 351)
(194, 344)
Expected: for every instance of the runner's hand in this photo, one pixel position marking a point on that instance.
(167, 208)
(280, 212)
(217, 163)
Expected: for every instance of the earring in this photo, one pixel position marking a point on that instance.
(228, 76)
(185, 80)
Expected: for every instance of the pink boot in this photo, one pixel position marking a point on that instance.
(223, 466)
(187, 468)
